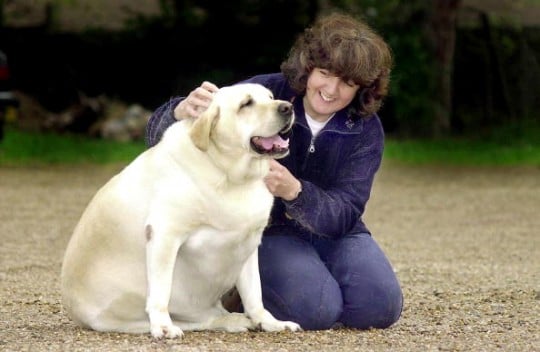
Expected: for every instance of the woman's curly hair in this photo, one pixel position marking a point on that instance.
(349, 49)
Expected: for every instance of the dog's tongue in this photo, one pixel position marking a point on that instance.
(269, 142)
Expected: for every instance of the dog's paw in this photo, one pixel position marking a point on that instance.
(266, 321)
(238, 322)
(292, 326)
(233, 322)
(166, 331)
(279, 325)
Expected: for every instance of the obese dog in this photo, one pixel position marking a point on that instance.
(163, 240)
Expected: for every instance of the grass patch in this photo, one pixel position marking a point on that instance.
(21, 148)
(516, 143)
(32, 148)
(462, 152)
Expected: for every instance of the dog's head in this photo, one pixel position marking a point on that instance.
(245, 116)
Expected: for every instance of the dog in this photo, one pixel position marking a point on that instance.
(162, 241)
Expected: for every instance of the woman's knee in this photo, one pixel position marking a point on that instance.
(371, 291)
(377, 307)
(296, 284)
(315, 305)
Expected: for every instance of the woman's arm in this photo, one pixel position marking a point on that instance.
(160, 120)
(336, 209)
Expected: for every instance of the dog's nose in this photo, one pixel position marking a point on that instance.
(285, 109)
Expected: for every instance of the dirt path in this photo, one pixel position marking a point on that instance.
(464, 242)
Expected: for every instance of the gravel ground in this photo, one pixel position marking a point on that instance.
(464, 242)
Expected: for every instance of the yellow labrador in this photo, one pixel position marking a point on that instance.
(163, 240)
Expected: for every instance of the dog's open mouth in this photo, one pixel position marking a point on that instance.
(273, 145)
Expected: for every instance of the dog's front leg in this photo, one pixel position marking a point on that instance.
(249, 288)
(161, 251)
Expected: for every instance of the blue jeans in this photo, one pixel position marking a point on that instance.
(319, 282)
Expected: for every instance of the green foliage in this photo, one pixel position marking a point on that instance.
(494, 82)
(30, 148)
(402, 24)
(512, 144)
(462, 151)
(523, 148)
(412, 84)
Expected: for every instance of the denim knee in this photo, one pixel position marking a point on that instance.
(371, 291)
(381, 310)
(314, 308)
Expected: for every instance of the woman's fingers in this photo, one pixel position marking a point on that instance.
(196, 102)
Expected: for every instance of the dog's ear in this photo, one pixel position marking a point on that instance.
(202, 127)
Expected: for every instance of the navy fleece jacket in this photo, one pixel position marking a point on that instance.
(336, 168)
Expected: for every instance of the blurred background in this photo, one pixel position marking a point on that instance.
(455, 204)
(99, 67)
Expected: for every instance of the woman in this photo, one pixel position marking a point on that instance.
(319, 264)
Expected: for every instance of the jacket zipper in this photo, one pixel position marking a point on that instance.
(311, 148)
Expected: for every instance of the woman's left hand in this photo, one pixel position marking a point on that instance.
(281, 183)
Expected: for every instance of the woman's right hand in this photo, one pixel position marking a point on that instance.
(196, 102)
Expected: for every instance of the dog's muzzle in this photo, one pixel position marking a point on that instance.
(276, 146)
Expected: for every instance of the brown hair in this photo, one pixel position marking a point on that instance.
(348, 48)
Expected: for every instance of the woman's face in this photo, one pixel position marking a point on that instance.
(326, 94)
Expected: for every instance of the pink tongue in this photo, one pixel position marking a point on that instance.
(269, 142)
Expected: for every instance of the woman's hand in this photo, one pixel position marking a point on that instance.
(196, 102)
(281, 183)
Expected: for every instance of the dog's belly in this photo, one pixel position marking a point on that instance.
(208, 264)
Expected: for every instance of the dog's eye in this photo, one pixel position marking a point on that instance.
(248, 102)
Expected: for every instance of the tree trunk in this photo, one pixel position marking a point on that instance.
(442, 35)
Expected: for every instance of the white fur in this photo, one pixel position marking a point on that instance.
(163, 240)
